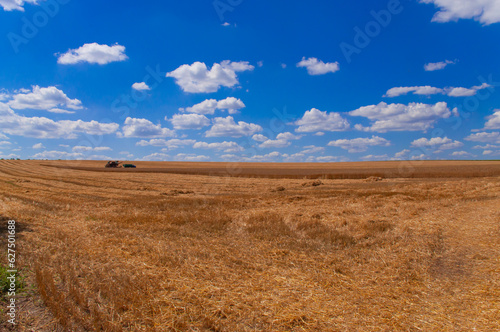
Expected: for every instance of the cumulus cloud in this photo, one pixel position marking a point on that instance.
(81, 148)
(484, 11)
(310, 149)
(142, 86)
(210, 105)
(432, 66)
(169, 144)
(281, 141)
(437, 143)
(228, 147)
(38, 98)
(10, 5)
(259, 138)
(485, 137)
(318, 67)
(191, 157)
(58, 155)
(359, 144)
(493, 121)
(93, 53)
(227, 127)
(197, 78)
(400, 117)
(419, 90)
(144, 128)
(60, 111)
(41, 127)
(316, 120)
(465, 92)
(401, 154)
(156, 157)
(462, 154)
(38, 146)
(372, 157)
(429, 90)
(189, 121)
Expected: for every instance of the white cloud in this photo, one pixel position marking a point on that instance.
(144, 128)
(81, 149)
(189, 121)
(281, 141)
(318, 67)
(465, 92)
(210, 105)
(58, 155)
(231, 104)
(419, 90)
(484, 137)
(422, 156)
(259, 138)
(401, 154)
(375, 157)
(5, 143)
(228, 147)
(399, 117)
(10, 156)
(93, 53)
(316, 120)
(49, 98)
(103, 148)
(312, 149)
(141, 86)
(156, 157)
(359, 144)
(429, 90)
(432, 66)
(9, 5)
(273, 156)
(493, 121)
(197, 78)
(2, 136)
(38, 146)
(170, 144)
(60, 111)
(484, 11)
(191, 157)
(462, 154)
(40, 127)
(438, 143)
(226, 127)
(487, 147)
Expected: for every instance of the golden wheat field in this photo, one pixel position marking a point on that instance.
(255, 247)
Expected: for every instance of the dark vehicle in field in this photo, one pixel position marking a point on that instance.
(129, 166)
(113, 164)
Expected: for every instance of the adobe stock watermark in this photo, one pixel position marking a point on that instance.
(372, 29)
(31, 28)
(11, 272)
(223, 6)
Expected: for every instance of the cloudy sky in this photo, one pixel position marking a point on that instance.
(236, 80)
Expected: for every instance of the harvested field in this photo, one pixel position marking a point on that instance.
(352, 170)
(264, 247)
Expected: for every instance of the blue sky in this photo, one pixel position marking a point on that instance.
(237, 80)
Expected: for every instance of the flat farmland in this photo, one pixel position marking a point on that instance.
(382, 246)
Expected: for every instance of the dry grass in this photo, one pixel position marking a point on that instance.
(162, 252)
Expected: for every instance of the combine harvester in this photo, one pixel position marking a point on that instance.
(117, 164)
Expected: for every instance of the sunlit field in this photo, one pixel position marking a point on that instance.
(255, 247)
